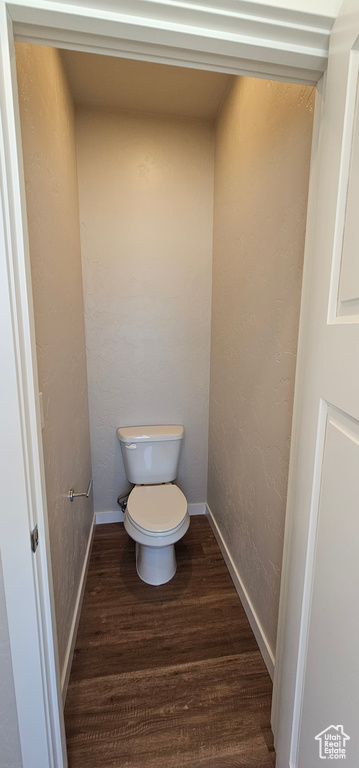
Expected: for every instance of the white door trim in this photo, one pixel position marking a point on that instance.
(306, 554)
(266, 41)
(270, 43)
(27, 577)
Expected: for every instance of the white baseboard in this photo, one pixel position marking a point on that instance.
(112, 516)
(258, 631)
(116, 516)
(66, 669)
(197, 509)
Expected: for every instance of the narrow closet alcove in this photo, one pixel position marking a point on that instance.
(166, 215)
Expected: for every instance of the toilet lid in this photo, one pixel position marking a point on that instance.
(157, 508)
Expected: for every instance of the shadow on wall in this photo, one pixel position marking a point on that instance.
(262, 157)
(146, 210)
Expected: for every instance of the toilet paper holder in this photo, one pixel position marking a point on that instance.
(72, 495)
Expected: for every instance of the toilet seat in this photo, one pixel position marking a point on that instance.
(157, 509)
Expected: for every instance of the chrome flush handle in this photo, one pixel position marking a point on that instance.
(72, 495)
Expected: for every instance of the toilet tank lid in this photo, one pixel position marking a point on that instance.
(154, 433)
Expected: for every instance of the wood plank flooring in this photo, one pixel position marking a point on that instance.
(169, 676)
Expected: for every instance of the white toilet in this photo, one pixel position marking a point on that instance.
(156, 515)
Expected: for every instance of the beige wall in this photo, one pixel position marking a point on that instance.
(263, 140)
(47, 124)
(146, 206)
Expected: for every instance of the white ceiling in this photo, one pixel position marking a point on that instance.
(109, 82)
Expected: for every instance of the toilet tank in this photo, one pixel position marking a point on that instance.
(151, 453)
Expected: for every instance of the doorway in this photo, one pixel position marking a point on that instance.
(305, 64)
(145, 170)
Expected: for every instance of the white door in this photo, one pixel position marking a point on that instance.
(35, 724)
(318, 680)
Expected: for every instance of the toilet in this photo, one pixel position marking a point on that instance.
(156, 515)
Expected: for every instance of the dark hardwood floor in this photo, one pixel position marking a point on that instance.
(169, 676)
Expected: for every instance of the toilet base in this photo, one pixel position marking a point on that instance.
(155, 565)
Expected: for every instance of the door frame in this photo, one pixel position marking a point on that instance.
(274, 43)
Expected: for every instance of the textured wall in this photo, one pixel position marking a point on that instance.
(10, 750)
(47, 124)
(146, 206)
(263, 141)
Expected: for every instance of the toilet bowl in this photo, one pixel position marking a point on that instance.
(156, 518)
